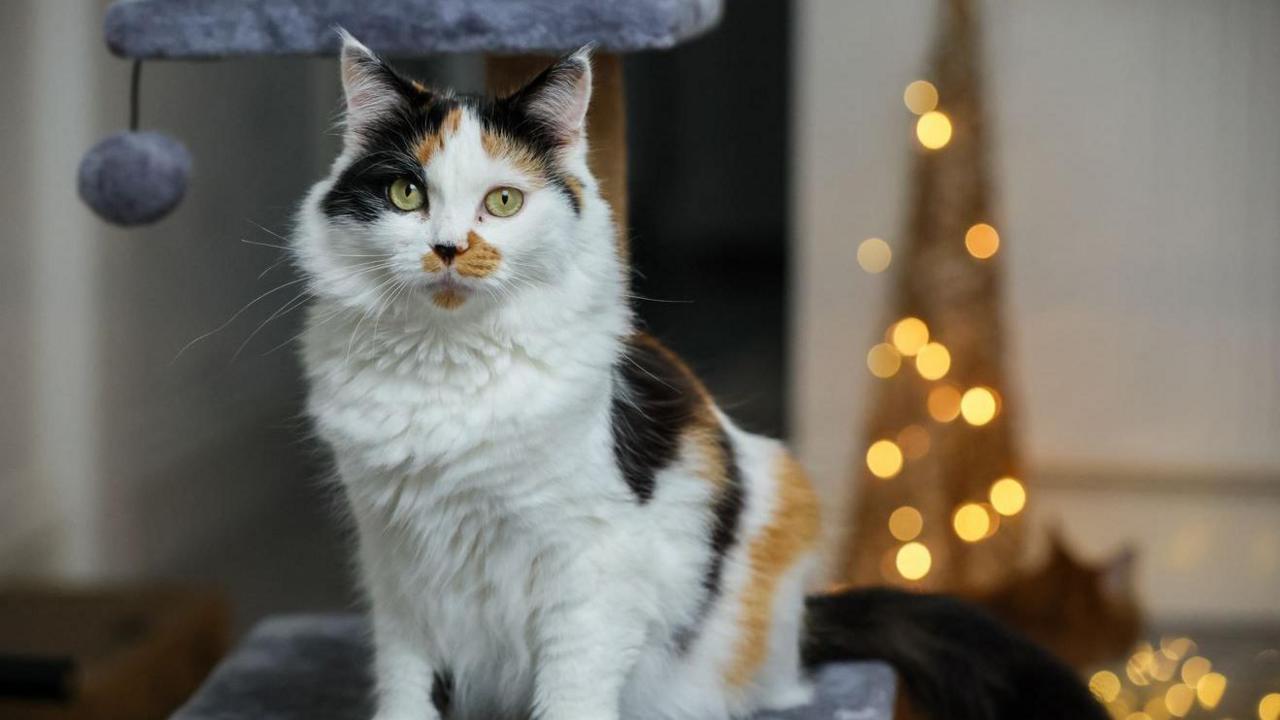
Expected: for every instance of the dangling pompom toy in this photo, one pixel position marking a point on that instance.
(134, 178)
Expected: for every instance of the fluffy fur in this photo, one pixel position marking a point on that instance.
(554, 519)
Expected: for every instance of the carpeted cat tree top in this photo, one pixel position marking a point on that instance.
(146, 29)
(316, 667)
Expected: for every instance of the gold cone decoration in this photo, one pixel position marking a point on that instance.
(946, 466)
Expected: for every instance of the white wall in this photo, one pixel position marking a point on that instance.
(120, 455)
(1139, 207)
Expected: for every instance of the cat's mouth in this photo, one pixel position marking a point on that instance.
(447, 290)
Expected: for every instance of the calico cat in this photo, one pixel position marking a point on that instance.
(554, 518)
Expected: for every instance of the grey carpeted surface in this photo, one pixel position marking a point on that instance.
(315, 667)
(202, 29)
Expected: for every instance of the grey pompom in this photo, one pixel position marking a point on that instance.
(134, 178)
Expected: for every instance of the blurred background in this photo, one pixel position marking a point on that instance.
(794, 199)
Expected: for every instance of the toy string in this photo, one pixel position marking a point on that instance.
(135, 86)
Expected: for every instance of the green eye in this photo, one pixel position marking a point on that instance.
(406, 195)
(504, 201)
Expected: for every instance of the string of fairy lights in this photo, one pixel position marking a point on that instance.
(1161, 682)
(907, 341)
(1168, 680)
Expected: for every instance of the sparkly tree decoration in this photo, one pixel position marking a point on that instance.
(939, 498)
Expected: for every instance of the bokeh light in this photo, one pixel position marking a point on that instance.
(971, 522)
(909, 335)
(920, 97)
(944, 403)
(978, 406)
(1105, 685)
(1178, 699)
(1194, 669)
(933, 360)
(883, 360)
(1269, 707)
(913, 561)
(874, 255)
(914, 441)
(982, 241)
(884, 459)
(1155, 708)
(1209, 689)
(1138, 716)
(933, 130)
(905, 523)
(1008, 496)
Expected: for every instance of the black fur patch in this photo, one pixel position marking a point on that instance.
(388, 144)
(726, 513)
(442, 692)
(726, 516)
(654, 400)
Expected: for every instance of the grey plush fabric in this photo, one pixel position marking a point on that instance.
(204, 29)
(134, 178)
(316, 668)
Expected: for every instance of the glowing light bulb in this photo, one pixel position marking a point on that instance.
(933, 130)
(933, 361)
(944, 403)
(982, 241)
(920, 97)
(978, 406)
(1105, 686)
(1194, 669)
(1008, 496)
(1179, 699)
(914, 441)
(884, 459)
(883, 360)
(874, 255)
(913, 561)
(1269, 707)
(909, 335)
(971, 522)
(905, 523)
(1209, 689)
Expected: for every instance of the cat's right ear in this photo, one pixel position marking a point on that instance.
(372, 89)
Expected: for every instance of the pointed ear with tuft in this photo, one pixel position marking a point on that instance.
(558, 98)
(371, 87)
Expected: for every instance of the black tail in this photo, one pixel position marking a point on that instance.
(956, 661)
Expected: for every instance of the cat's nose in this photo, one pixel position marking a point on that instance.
(445, 252)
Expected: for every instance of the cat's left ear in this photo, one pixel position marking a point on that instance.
(559, 97)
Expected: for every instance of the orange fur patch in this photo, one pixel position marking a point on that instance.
(431, 144)
(432, 263)
(575, 187)
(448, 299)
(791, 531)
(501, 147)
(480, 259)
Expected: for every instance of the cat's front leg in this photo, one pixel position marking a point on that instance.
(586, 652)
(402, 672)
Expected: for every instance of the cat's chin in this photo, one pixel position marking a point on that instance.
(447, 292)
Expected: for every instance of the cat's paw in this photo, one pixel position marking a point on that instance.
(785, 697)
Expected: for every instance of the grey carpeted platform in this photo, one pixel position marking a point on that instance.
(146, 29)
(315, 667)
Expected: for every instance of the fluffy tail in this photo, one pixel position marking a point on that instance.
(956, 661)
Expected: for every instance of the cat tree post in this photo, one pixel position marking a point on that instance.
(606, 120)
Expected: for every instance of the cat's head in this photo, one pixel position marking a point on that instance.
(449, 204)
